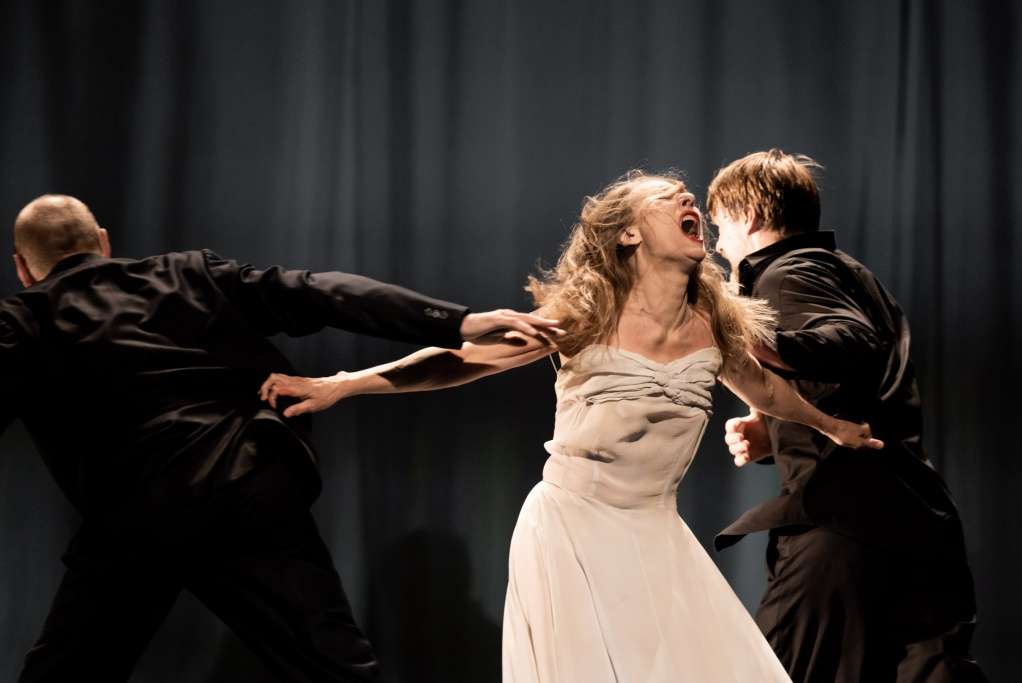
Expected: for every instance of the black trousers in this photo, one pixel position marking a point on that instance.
(250, 552)
(840, 611)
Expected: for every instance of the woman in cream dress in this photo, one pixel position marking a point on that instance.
(606, 582)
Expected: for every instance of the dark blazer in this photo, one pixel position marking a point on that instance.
(848, 342)
(138, 379)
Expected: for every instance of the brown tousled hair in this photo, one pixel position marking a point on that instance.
(779, 187)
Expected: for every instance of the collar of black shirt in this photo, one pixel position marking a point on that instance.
(753, 265)
(73, 261)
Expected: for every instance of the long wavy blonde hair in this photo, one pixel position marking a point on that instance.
(588, 287)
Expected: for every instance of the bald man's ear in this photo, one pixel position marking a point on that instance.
(24, 273)
(104, 242)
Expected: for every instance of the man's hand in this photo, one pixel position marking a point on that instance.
(494, 326)
(747, 438)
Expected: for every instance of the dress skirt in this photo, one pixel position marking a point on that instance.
(604, 594)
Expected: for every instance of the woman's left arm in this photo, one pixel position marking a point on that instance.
(772, 395)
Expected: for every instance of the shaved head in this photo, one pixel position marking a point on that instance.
(52, 227)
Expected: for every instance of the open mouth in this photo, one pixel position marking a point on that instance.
(692, 227)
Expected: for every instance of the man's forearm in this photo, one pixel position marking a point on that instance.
(301, 302)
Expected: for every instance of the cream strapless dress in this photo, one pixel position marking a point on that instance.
(607, 584)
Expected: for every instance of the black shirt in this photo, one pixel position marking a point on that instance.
(138, 379)
(847, 341)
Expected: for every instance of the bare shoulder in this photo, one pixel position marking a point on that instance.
(702, 328)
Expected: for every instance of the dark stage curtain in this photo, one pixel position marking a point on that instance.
(446, 145)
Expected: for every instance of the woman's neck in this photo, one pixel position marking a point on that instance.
(660, 296)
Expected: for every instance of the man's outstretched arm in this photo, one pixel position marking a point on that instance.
(300, 302)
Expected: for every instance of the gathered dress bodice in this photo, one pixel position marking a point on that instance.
(627, 427)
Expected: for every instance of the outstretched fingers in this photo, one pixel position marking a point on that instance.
(523, 327)
(531, 324)
(541, 322)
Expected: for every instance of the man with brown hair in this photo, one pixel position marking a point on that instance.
(138, 380)
(867, 574)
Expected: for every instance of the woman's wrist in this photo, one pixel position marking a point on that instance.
(339, 385)
(346, 384)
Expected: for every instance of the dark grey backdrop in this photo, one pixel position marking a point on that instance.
(445, 145)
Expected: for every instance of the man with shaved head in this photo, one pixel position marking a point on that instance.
(138, 380)
(51, 228)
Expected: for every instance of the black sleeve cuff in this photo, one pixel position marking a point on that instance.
(443, 319)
